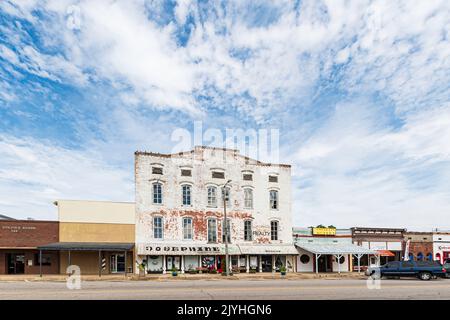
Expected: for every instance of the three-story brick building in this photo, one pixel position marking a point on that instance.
(180, 212)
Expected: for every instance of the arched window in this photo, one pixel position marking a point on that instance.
(158, 227)
(273, 199)
(274, 230)
(411, 256)
(157, 193)
(212, 196)
(186, 190)
(429, 256)
(228, 231)
(187, 229)
(226, 194)
(248, 230)
(212, 230)
(420, 256)
(248, 198)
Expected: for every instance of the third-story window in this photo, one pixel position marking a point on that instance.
(273, 199)
(228, 226)
(248, 198)
(157, 193)
(248, 230)
(273, 230)
(226, 195)
(212, 196)
(158, 227)
(186, 189)
(212, 230)
(187, 229)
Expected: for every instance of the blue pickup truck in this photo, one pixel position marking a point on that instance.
(424, 270)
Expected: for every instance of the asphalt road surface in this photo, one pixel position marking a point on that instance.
(230, 289)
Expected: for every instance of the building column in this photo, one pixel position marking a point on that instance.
(164, 264)
(273, 263)
(200, 262)
(182, 264)
(260, 264)
(247, 263)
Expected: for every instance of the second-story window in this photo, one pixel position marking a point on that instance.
(187, 229)
(273, 230)
(228, 231)
(248, 230)
(157, 227)
(273, 199)
(157, 193)
(248, 198)
(186, 190)
(212, 230)
(212, 196)
(226, 196)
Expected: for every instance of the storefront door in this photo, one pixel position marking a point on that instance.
(266, 261)
(325, 263)
(16, 263)
(117, 263)
(173, 261)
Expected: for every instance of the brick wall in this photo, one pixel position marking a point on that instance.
(27, 234)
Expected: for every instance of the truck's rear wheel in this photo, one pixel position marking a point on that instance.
(425, 276)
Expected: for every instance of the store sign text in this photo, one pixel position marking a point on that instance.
(182, 249)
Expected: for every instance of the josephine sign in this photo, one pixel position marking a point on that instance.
(179, 250)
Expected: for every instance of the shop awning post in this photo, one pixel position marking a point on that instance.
(317, 262)
(40, 263)
(125, 263)
(99, 263)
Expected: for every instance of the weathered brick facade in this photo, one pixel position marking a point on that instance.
(420, 244)
(202, 162)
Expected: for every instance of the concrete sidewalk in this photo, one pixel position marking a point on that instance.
(169, 277)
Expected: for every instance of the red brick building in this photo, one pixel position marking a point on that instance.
(419, 245)
(18, 246)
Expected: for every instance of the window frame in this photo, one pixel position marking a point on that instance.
(154, 195)
(248, 236)
(209, 231)
(227, 190)
(186, 196)
(208, 196)
(246, 206)
(274, 204)
(274, 236)
(228, 226)
(155, 227)
(188, 228)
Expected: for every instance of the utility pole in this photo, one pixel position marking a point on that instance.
(225, 232)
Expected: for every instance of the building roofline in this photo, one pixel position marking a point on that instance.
(169, 155)
(101, 201)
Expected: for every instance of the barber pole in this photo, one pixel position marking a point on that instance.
(406, 257)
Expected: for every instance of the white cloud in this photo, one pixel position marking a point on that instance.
(33, 174)
(352, 172)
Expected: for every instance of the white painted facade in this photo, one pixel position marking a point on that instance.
(162, 252)
(441, 246)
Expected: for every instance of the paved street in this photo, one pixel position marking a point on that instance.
(230, 289)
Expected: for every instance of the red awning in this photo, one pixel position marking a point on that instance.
(386, 253)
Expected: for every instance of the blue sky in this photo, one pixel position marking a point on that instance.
(358, 89)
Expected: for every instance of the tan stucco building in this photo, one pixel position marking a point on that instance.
(96, 236)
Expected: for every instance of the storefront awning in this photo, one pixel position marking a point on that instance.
(87, 246)
(268, 249)
(386, 253)
(334, 248)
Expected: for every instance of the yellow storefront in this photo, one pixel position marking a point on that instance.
(95, 236)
